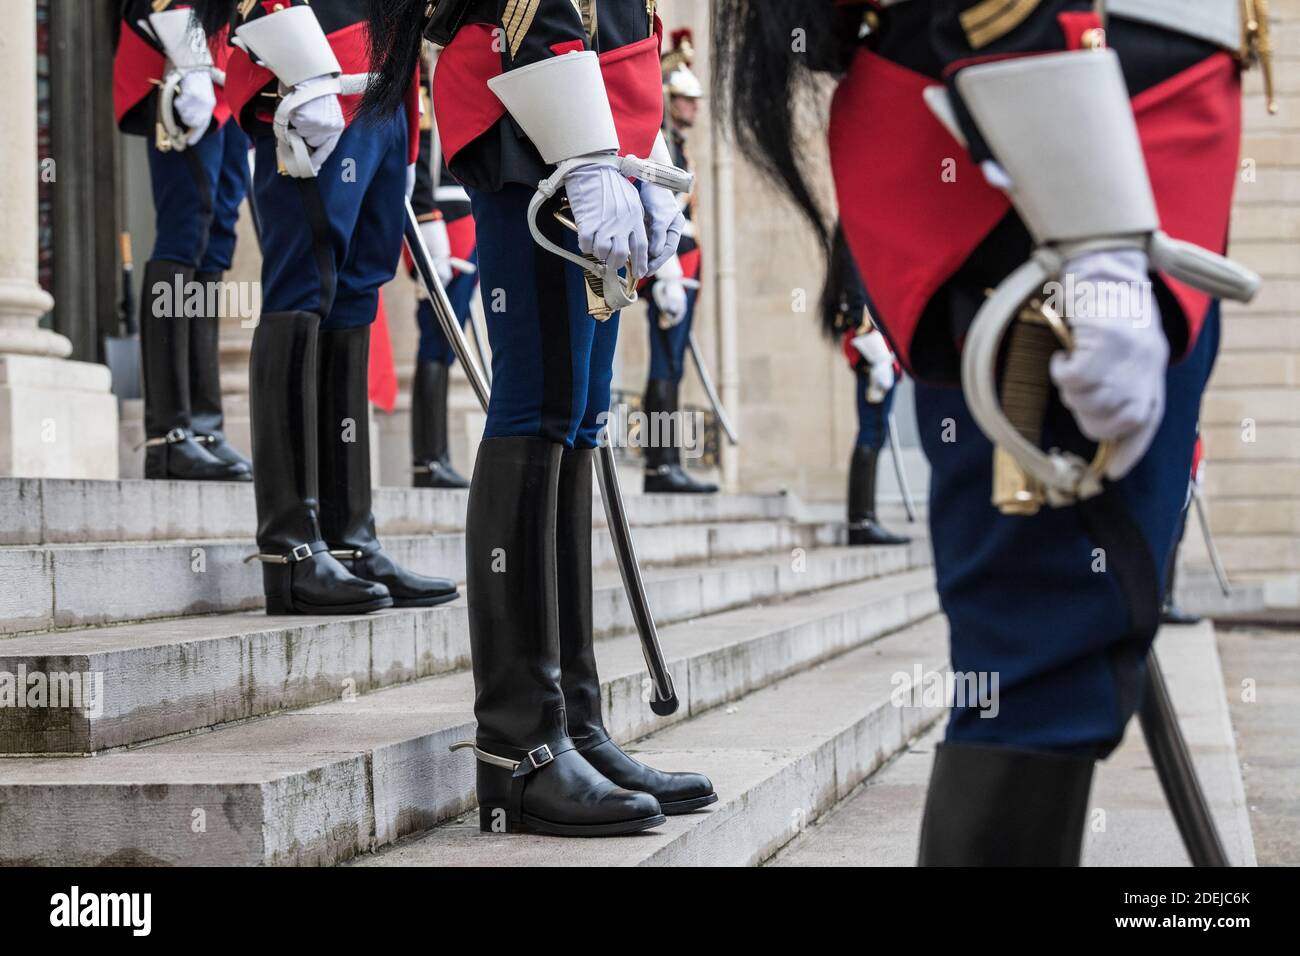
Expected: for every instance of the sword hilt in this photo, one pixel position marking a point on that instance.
(1034, 335)
(597, 305)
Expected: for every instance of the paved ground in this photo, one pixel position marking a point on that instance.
(1129, 822)
(1261, 673)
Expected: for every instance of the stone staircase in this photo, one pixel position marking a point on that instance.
(214, 734)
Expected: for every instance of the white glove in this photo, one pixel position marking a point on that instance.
(194, 103)
(609, 215)
(319, 120)
(670, 296)
(1114, 379)
(880, 364)
(666, 222)
(880, 380)
(435, 237)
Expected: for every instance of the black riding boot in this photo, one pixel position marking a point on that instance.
(863, 526)
(432, 463)
(531, 776)
(997, 806)
(170, 448)
(346, 519)
(676, 792)
(206, 414)
(663, 463)
(298, 573)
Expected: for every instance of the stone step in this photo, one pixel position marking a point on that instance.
(36, 511)
(779, 758)
(85, 585)
(326, 783)
(1129, 821)
(160, 678)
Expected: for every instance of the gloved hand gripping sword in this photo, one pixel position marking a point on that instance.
(186, 97)
(1064, 134)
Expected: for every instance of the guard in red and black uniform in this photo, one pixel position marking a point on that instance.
(330, 196)
(442, 207)
(167, 88)
(964, 136)
(674, 289)
(521, 86)
(875, 373)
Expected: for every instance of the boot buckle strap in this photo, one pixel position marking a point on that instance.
(347, 554)
(535, 759)
(301, 552)
(173, 437)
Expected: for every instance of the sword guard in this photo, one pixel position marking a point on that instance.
(1025, 476)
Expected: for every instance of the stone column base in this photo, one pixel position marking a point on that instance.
(58, 419)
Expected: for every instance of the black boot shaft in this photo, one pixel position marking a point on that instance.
(676, 792)
(997, 806)
(282, 390)
(510, 564)
(862, 484)
(300, 577)
(579, 679)
(165, 347)
(165, 350)
(660, 407)
(206, 412)
(511, 581)
(429, 412)
(429, 454)
(344, 439)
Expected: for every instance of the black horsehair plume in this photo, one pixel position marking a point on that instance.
(396, 34)
(763, 78)
(769, 58)
(215, 15)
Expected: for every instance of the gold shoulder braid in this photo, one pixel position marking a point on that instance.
(991, 20)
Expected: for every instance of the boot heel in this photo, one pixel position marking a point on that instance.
(493, 790)
(277, 585)
(495, 820)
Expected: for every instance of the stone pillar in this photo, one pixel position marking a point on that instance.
(58, 419)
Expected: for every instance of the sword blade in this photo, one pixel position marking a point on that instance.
(1177, 776)
(480, 342)
(665, 699)
(442, 309)
(896, 455)
(706, 380)
(1203, 519)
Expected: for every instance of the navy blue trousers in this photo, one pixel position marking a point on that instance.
(434, 346)
(1027, 598)
(196, 197)
(330, 243)
(552, 363)
(668, 346)
(873, 418)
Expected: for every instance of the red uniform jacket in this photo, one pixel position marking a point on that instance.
(251, 88)
(138, 65)
(916, 208)
(483, 147)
